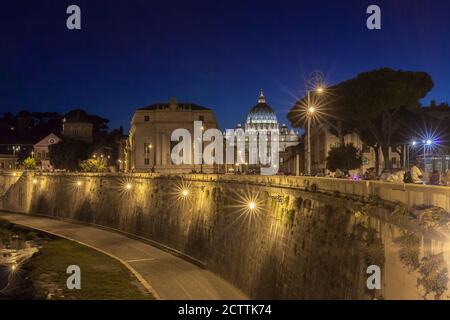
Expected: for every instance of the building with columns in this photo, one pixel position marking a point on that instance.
(262, 119)
(148, 147)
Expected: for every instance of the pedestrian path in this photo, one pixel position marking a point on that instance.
(167, 276)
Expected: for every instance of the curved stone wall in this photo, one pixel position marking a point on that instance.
(293, 245)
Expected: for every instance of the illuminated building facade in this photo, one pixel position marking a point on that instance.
(148, 147)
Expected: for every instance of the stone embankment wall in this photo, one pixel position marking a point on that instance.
(293, 245)
(7, 180)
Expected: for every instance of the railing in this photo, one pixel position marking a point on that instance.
(409, 194)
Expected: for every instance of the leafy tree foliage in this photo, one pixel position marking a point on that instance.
(92, 165)
(378, 105)
(68, 153)
(29, 163)
(378, 101)
(344, 157)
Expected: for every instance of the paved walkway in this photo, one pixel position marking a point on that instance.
(168, 276)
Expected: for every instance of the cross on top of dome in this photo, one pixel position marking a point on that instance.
(261, 98)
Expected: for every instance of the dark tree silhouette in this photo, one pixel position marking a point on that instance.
(68, 153)
(344, 157)
(377, 102)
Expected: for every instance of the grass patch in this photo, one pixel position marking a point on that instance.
(102, 277)
(44, 276)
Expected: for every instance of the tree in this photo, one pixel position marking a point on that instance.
(344, 157)
(47, 122)
(368, 139)
(29, 163)
(377, 100)
(92, 165)
(327, 113)
(68, 153)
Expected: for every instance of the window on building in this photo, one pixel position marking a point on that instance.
(146, 148)
(201, 118)
(146, 118)
(394, 162)
(146, 161)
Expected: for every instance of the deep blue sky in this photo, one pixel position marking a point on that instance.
(215, 53)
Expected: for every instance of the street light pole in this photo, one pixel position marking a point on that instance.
(318, 78)
(426, 143)
(424, 157)
(150, 146)
(308, 165)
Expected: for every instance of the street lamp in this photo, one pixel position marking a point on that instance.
(426, 143)
(150, 150)
(314, 83)
(309, 116)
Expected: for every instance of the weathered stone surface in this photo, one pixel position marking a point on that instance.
(294, 245)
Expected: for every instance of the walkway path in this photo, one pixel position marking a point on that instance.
(167, 276)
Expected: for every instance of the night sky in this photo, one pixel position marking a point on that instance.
(133, 53)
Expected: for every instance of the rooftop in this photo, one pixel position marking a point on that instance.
(174, 105)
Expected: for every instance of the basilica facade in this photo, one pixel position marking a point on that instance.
(262, 119)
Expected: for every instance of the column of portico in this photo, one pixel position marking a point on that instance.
(297, 164)
(158, 148)
(164, 149)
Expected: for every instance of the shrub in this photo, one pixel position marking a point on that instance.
(92, 165)
(29, 163)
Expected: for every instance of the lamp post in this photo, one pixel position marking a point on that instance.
(314, 83)
(150, 147)
(309, 115)
(15, 149)
(426, 143)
